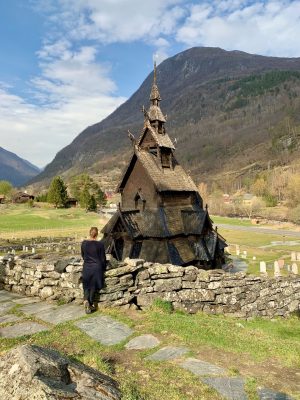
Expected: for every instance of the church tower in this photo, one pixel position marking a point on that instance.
(161, 216)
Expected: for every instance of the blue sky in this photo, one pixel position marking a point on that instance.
(66, 64)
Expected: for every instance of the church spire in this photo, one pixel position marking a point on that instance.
(154, 95)
(154, 112)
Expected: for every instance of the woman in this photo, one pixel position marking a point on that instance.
(94, 265)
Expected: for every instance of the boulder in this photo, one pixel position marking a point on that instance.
(31, 372)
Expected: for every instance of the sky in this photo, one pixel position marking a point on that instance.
(67, 64)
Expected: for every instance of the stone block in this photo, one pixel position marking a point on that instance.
(158, 269)
(45, 267)
(196, 295)
(46, 292)
(167, 285)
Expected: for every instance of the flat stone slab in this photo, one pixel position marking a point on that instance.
(5, 296)
(269, 394)
(24, 328)
(142, 342)
(26, 300)
(5, 307)
(202, 368)
(60, 314)
(230, 388)
(35, 308)
(168, 353)
(105, 329)
(9, 318)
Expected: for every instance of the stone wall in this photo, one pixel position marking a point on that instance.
(136, 283)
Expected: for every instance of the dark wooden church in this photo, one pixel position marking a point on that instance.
(161, 216)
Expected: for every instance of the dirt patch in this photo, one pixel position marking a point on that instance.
(269, 373)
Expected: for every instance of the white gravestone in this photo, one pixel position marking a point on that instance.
(293, 256)
(263, 267)
(298, 256)
(276, 268)
(295, 269)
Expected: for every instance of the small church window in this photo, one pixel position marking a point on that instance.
(166, 160)
(153, 150)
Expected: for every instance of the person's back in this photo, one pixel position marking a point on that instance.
(94, 266)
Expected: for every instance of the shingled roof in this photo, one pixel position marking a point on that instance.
(164, 179)
(160, 223)
(162, 140)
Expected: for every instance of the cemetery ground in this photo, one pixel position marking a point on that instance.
(266, 353)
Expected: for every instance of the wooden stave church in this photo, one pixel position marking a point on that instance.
(161, 216)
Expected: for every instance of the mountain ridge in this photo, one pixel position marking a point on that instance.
(198, 95)
(15, 169)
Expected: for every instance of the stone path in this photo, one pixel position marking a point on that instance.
(108, 331)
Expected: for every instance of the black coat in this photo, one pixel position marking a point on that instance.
(94, 264)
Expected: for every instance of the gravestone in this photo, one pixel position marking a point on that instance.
(298, 256)
(33, 250)
(293, 256)
(262, 267)
(281, 263)
(295, 268)
(276, 269)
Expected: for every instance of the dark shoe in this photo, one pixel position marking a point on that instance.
(87, 307)
(94, 307)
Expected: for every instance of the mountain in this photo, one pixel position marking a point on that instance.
(16, 170)
(228, 110)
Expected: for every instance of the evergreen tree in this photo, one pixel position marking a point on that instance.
(92, 206)
(57, 194)
(5, 188)
(101, 197)
(85, 198)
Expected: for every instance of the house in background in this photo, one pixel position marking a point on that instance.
(2, 198)
(161, 216)
(22, 197)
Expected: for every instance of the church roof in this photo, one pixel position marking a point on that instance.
(164, 179)
(161, 222)
(162, 140)
(155, 114)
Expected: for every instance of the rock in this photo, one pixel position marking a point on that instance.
(196, 295)
(45, 267)
(46, 292)
(230, 388)
(167, 285)
(202, 368)
(142, 342)
(18, 330)
(168, 353)
(61, 265)
(105, 329)
(268, 394)
(34, 373)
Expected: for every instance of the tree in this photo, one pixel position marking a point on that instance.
(100, 197)
(5, 188)
(57, 194)
(85, 198)
(82, 182)
(259, 187)
(92, 206)
(293, 190)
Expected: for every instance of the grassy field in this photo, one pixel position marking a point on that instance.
(265, 353)
(22, 221)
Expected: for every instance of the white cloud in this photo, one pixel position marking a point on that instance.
(72, 92)
(265, 27)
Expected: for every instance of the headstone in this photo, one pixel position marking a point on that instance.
(33, 250)
(237, 250)
(281, 263)
(298, 256)
(57, 250)
(254, 258)
(262, 267)
(142, 342)
(288, 268)
(293, 256)
(230, 388)
(276, 268)
(202, 368)
(24, 328)
(24, 247)
(295, 268)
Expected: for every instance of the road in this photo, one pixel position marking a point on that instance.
(279, 232)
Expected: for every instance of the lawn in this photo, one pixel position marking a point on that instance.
(43, 220)
(265, 353)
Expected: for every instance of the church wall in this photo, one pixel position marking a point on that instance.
(139, 179)
(171, 199)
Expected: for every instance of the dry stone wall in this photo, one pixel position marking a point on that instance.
(136, 283)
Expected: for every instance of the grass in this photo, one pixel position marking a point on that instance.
(231, 221)
(225, 341)
(42, 220)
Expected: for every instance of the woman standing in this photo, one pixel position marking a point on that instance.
(94, 266)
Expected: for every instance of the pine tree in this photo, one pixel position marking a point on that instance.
(85, 198)
(92, 204)
(57, 194)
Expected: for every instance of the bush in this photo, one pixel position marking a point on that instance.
(270, 200)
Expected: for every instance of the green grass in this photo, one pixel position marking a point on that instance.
(21, 221)
(257, 340)
(230, 221)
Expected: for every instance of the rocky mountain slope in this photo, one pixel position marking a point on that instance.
(14, 169)
(228, 110)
